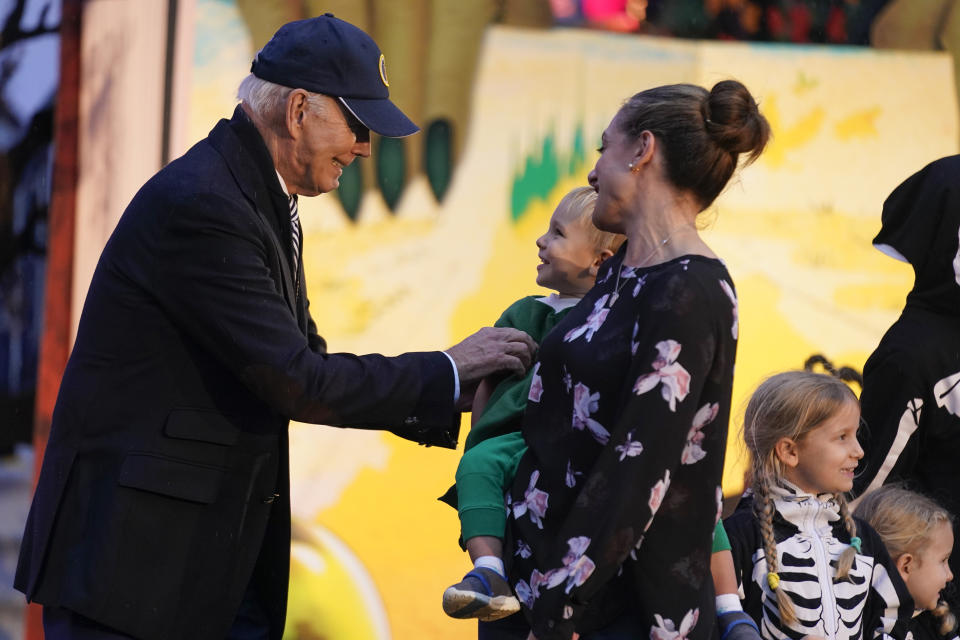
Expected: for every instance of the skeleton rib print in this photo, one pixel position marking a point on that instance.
(810, 537)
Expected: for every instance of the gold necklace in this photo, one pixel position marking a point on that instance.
(617, 286)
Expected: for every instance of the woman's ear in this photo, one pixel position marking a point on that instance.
(787, 452)
(644, 150)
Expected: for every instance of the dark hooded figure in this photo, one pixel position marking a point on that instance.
(911, 382)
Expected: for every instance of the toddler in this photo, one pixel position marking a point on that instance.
(918, 534)
(570, 252)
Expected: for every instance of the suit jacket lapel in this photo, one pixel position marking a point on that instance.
(243, 150)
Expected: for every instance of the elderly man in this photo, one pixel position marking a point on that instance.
(162, 510)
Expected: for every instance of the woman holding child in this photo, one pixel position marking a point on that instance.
(613, 506)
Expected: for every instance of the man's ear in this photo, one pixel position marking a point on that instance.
(296, 112)
(905, 564)
(787, 452)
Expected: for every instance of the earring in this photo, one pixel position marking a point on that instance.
(633, 168)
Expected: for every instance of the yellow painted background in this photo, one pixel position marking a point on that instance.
(374, 549)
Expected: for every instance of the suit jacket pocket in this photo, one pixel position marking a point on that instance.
(204, 426)
(169, 477)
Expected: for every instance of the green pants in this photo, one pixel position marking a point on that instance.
(484, 475)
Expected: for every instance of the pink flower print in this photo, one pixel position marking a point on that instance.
(567, 379)
(666, 630)
(577, 567)
(584, 404)
(693, 450)
(634, 343)
(668, 372)
(567, 612)
(578, 572)
(594, 320)
(640, 282)
(657, 493)
(571, 479)
(538, 580)
(536, 385)
(529, 592)
(523, 550)
(534, 502)
(685, 264)
(524, 593)
(576, 548)
(629, 449)
(727, 289)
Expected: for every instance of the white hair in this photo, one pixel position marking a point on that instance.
(268, 100)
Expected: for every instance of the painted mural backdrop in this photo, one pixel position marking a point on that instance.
(427, 246)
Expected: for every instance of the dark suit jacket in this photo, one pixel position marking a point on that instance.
(164, 488)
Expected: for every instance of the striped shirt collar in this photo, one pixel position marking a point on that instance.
(283, 185)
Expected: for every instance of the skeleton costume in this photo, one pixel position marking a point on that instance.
(911, 383)
(810, 536)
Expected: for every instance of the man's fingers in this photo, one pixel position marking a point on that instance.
(514, 364)
(492, 350)
(521, 352)
(515, 335)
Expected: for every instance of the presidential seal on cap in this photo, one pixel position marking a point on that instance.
(329, 56)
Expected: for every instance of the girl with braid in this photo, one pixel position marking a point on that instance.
(918, 534)
(805, 565)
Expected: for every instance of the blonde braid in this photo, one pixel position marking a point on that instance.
(764, 509)
(845, 561)
(948, 622)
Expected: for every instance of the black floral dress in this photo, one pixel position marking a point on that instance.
(613, 507)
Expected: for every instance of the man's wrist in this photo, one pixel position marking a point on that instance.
(456, 378)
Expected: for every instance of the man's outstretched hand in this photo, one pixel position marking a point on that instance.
(490, 350)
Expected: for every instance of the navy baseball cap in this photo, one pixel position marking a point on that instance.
(329, 56)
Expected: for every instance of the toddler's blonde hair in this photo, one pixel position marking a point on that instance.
(905, 521)
(577, 205)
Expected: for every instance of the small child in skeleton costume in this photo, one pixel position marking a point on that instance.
(918, 534)
(806, 567)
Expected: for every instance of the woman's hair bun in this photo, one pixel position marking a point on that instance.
(733, 120)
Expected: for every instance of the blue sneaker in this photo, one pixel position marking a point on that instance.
(483, 593)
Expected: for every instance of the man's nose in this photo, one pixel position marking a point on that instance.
(361, 148)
